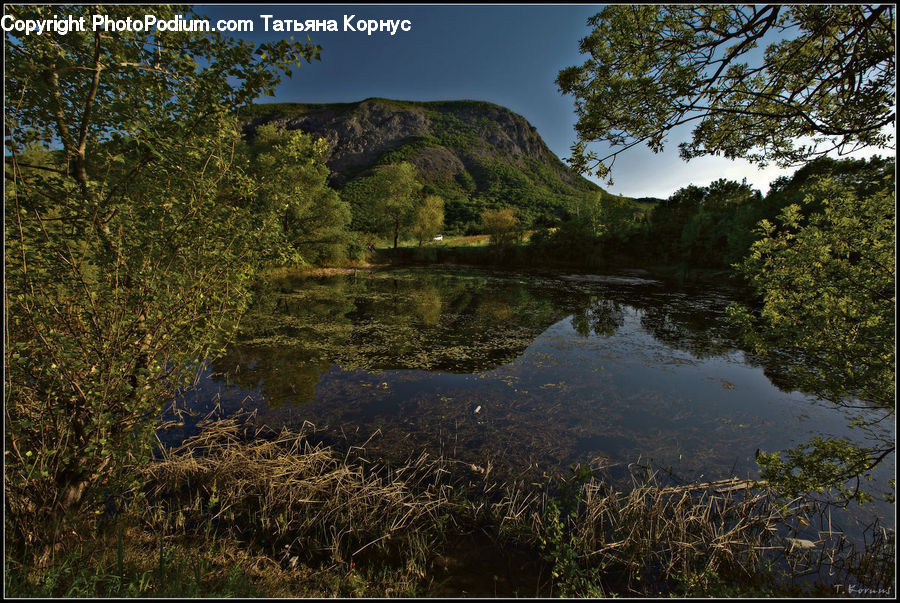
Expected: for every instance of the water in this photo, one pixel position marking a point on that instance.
(526, 374)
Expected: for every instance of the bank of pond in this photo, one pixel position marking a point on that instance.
(525, 374)
(456, 431)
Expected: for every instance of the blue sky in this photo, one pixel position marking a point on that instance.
(505, 54)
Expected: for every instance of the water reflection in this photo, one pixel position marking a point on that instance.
(435, 322)
(562, 370)
(599, 316)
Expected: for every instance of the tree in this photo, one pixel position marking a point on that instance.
(716, 233)
(501, 224)
(429, 219)
(616, 217)
(129, 247)
(396, 187)
(828, 78)
(825, 84)
(313, 220)
(668, 221)
(827, 283)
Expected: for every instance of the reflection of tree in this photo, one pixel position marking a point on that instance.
(700, 326)
(287, 338)
(298, 328)
(444, 322)
(496, 308)
(690, 325)
(286, 374)
(428, 303)
(600, 315)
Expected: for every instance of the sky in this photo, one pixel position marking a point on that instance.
(506, 54)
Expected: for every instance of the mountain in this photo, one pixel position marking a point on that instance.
(476, 155)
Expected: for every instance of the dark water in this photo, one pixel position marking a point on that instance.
(525, 373)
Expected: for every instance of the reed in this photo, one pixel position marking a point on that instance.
(242, 509)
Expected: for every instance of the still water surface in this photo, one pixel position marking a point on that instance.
(526, 373)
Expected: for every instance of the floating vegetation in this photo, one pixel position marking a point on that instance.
(289, 497)
(564, 371)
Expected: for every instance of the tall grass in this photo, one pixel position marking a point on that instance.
(238, 509)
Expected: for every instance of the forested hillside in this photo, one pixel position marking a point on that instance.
(474, 155)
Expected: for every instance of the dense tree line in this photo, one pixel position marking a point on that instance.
(710, 226)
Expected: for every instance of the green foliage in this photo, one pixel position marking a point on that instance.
(562, 546)
(429, 219)
(536, 194)
(396, 189)
(826, 280)
(708, 583)
(501, 224)
(359, 195)
(829, 77)
(573, 241)
(116, 564)
(720, 231)
(408, 151)
(450, 131)
(714, 226)
(706, 227)
(598, 227)
(128, 246)
(570, 578)
(818, 465)
(312, 219)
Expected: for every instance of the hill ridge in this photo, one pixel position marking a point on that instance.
(475, 154)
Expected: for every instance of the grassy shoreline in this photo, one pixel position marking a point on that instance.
(238, 511)
(521, 257)
(482, 255)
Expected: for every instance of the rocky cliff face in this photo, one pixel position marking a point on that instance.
(451, 136)
(465, 150)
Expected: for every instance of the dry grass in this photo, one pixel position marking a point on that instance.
(302, 503)
(736, 532)
(298, 498)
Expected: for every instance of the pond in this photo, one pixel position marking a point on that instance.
(525, 374)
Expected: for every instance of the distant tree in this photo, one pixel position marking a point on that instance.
(586, 209)
(715, 233)
(829, 78)
(429, 219)
(501, 224)
(726, 195)
(396, 188)
(312, 219)
(668, 220)
(616, 219)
